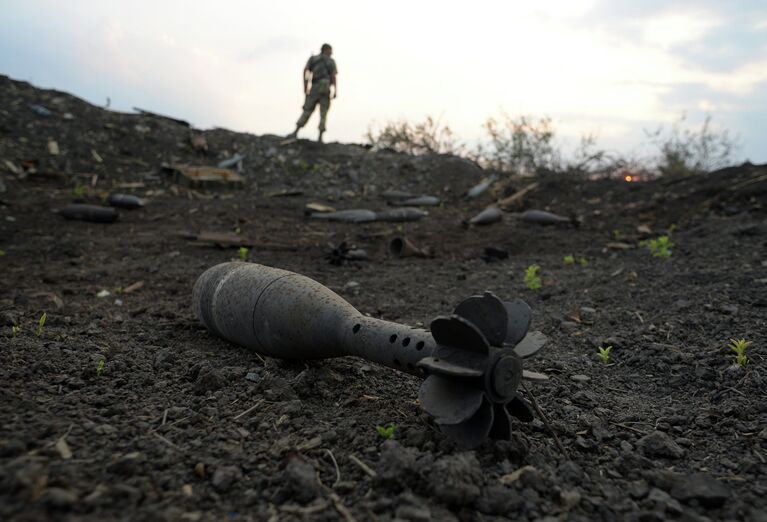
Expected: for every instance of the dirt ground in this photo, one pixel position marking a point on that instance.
(123, 407)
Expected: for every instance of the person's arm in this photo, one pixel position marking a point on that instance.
(307, 73)
(334, 84)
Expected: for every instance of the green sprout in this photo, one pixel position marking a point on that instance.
(243, 253)
(41, 324)
(569, 260)
(739, 347)
(386, 432)
(100, 367)
(618, 235)
(79, 191)
(659, 247)
(604, 354)
(303, 165)
(2, 253)
(532, 280)
(237, 230)
(583, 262)
(15, 330)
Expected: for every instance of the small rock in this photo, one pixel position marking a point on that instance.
(499, 500)
(252, 377)
(580, 378)
(568, 326)
(638, 489)
(702, 488)
(659, 444)
(300, 480)
(59, 498)
(570, 498)
(208, 381)
(164, 358)
(588, 314)
(664, 500)
(225, 477)
(729, 309)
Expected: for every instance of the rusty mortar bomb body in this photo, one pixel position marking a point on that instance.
(471, 360)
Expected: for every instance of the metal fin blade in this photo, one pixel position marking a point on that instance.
(449, 401)
(518, 316)
(530, 345)
(534, 376)
(443, 367)
(457, 332)
(521, 409)
(488, 314)
(501, 429)
(473, 432)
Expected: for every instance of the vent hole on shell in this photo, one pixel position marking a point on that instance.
(393, 338)
(356, 328)
(419, 345)
(405, 341)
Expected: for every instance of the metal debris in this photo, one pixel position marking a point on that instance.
(487, 217)
(472, 359)
(93, 213)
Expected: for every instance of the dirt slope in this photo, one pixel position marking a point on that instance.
(125, 408)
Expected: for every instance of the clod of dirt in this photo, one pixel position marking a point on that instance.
(59, 498)
(499, 500)
(163, 359)
(225, 477)
(456, 479)
(397, 465)
(127, 465)
(300, 481)
(659, 444)
(701, 488)
(208, 380)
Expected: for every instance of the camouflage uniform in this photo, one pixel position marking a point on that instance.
(322, 68)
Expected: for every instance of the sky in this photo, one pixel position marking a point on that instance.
(606, 67)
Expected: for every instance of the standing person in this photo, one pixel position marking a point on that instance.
(321, 70)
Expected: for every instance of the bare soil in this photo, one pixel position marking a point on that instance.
(123, 407)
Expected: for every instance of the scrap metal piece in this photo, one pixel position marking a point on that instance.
(403, 247)
(92, 213)
(472, 372)
(127, 201)
(487, 217)
(541, 217)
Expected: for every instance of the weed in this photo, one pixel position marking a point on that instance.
(2, 253)
(15, 330)
(532, 279)
(583, 262)
(100, 368)
(79, 191)
(659, 247)
(243, 254)
(739, 347)
(41, 324)
(386, 432)
(303, 166)
(237, 230)
(604, 354)
(569, 260)
(618, 235)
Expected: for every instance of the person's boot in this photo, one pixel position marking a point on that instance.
(293, 135)
(319, 139)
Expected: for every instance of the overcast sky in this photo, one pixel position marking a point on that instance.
(608, 67)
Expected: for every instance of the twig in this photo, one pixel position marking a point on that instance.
(342, 510)
(545, 421)
(364, 467)
(164, 417)
(166, 441)
(335, 463)
(639, 316)
(256, 405)
(735, 390)
(627, 427)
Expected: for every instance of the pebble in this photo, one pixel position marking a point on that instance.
(701, 488)
(59, 498)
(396, 465)
(568, 326)
(659, 444)
(225, 477)
(663, 499)
(579, 377)
(300, 479)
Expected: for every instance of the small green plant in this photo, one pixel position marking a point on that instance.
(739, 347)
(41, 324)
(79, 191)
(2, 253)
(243, 254)
(618, 235)
(15, 330)
(303, 165)
(237, 230)
(100, 367)
(659, 247)
(386, 432)
(569, 260)
(583, 262)
(604, 354)
(532, 279)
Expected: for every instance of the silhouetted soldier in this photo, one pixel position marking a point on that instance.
(322, 71)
